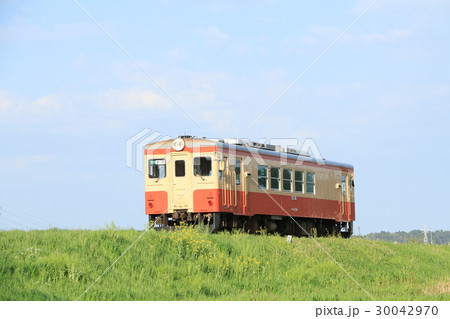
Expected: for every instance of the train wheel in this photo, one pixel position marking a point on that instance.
(251, 225)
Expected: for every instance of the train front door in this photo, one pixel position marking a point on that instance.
(182, 179)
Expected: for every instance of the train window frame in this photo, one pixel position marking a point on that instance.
(262, 177)
(299, 182)
(203, 170)
(287, 181)
(273, 179)
(310, 183)
(159, 163)
(237, 170)
(177, 172)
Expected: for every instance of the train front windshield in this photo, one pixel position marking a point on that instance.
(202, 166)
(157, 168)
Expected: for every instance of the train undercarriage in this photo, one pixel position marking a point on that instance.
(284, 225)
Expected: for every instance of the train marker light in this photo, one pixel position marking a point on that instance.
(178, 144)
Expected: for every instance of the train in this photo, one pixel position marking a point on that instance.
(232, 183)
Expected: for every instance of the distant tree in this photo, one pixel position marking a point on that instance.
(440, 237)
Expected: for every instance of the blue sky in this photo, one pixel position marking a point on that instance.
(70, 98)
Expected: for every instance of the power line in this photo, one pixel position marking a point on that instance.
(30, 218)
(21, 217)
(11, 221)
(19, 212)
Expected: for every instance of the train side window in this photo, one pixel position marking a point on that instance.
(287, 180)
(299, 181)
(310, 183)
(157, 168)
(202, 166)
(180, 169)
(237, 169)
(262, 176)
(275, 178)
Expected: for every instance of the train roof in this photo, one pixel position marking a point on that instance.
(248, 146)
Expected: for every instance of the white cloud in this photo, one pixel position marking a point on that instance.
(212, 36)
(24, 30)
(387, 36)
(236, 5)
(299, 45)
(268, 19)
(307, 41)
(198, 97)
(362, 5)
(24, 161)
(7, 101)
(241, 49)
(220, 121)
(321, 35)
(177, 55)
(316, 35)
(133, 99)
(441, 90)
(391, 5)
(324, 31)
(46, 104)
(11, 105)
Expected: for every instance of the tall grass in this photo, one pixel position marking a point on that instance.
(190, 264)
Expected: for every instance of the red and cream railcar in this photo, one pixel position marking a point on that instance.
(231, 184)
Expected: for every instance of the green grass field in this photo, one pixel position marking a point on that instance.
(189, 264)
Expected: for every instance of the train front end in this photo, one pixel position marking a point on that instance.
(181, 181)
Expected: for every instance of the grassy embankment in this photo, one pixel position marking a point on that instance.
(192, 265)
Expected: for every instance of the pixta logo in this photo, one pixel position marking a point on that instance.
(135, 147)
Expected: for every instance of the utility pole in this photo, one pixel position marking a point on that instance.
(425, 237)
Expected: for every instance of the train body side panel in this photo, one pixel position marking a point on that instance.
(296, 206)
(209, 201)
